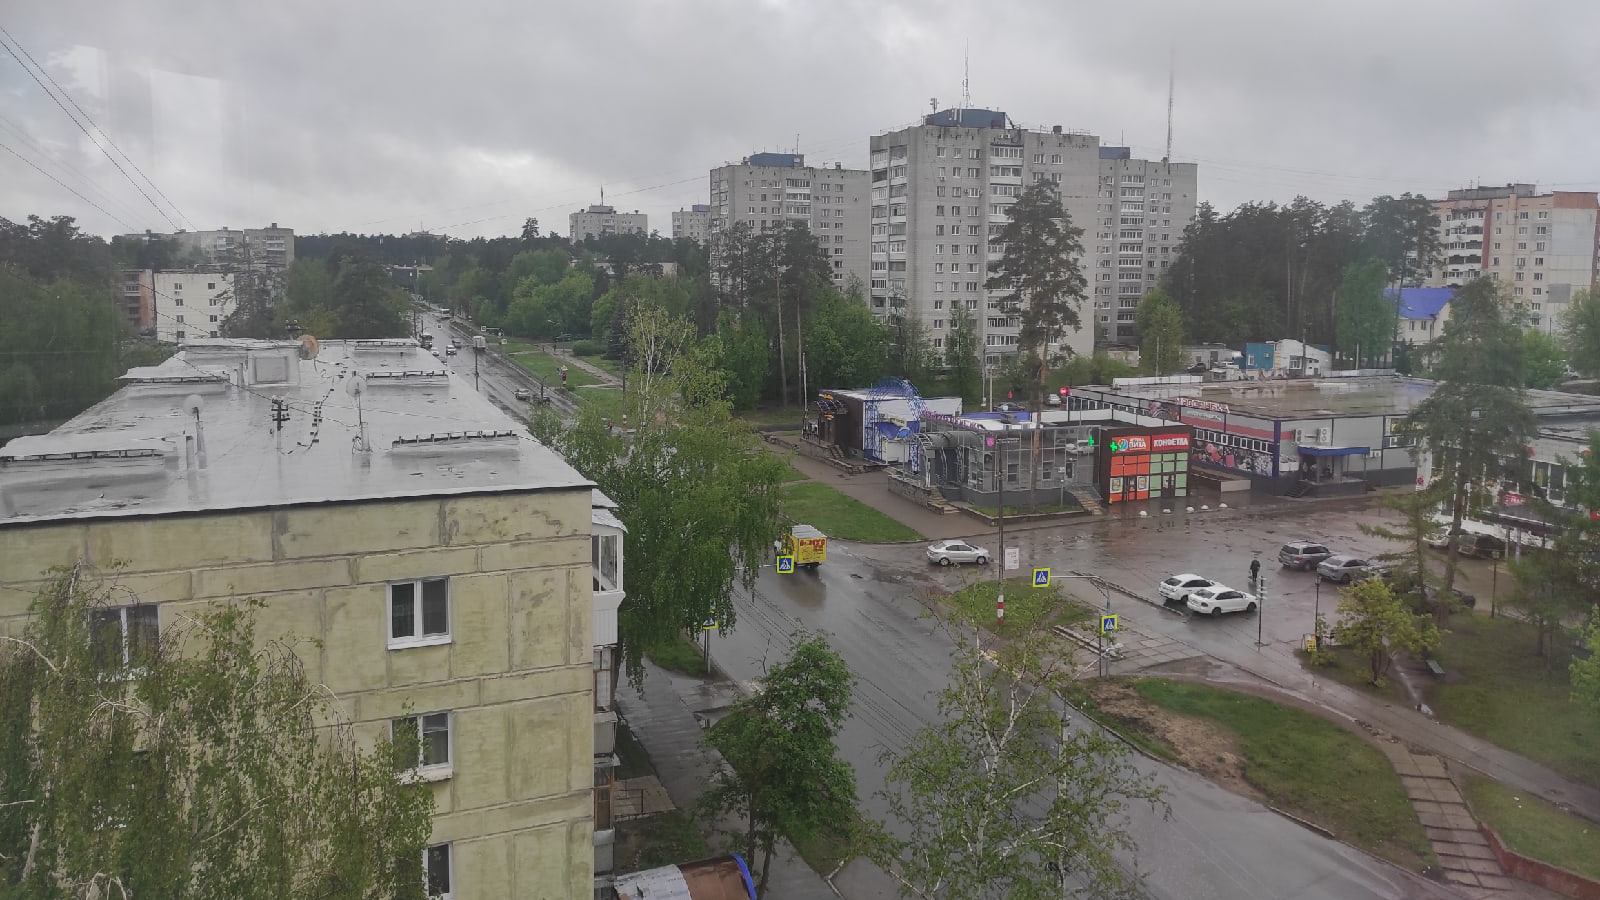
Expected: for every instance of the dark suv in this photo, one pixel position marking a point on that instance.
(1303, 555)
(1482, 546)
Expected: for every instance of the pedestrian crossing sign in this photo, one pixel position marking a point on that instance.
(786, 565)
(709, 624)
(1041, 577)
(1108, 624)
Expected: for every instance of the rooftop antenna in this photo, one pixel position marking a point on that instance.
(355, 387)
(1171, 83)
(192, 405)
(602, 195)
(966, 79)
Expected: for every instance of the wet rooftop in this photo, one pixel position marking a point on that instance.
(363, 420)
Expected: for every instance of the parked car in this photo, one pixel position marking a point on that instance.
(1303, 555)
(449, 351)
(1440, 539)
(1403, 581)
(1346, 569)
(1052, 400)
(1010, 407)
(1218, 599)
(1081, 447)
(1177, 588)
(947, 553)
(1481, 546)
(524, 394)
(455, 342)
(563, 338)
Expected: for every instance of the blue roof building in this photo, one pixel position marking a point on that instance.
(1423, 312)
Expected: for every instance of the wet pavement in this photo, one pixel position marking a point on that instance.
(1215, 844)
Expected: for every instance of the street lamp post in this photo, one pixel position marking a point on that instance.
(999, 445)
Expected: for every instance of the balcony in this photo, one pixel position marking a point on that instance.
(606, 568)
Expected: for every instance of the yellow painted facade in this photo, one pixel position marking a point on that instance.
(516, 673)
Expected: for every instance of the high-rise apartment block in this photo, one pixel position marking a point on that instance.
(1541, 247)
(767, 189)
(942, 191)
(599, 221)
(693, 223)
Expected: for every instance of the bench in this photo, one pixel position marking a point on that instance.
(1435, 668)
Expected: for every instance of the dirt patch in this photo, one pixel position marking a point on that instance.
(1197, 745)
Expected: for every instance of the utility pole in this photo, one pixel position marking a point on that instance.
(1261, 606)
(1000, 558)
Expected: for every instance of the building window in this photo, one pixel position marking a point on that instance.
(419, 613)
(124, 636)
(436, 872)
(432, 733)
(211, 285)
(177, 286)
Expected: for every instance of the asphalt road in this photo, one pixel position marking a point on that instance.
(1214, 845)
(496, 377)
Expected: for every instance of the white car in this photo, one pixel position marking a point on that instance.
(1176, 589)
(524, 394)
(1218, 599)
(947, 553)
(449, 351)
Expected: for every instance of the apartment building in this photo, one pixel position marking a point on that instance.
(942, 190)
(1143, 209)
(457, 576)
(271, 247)
(765, 190)
(599, 220)
(1540, 247)
(137, 299)
(189, 304)
(693, 223)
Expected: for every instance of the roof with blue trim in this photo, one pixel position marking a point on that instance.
(1422, 303)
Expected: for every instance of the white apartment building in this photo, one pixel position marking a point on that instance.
(693, 223)
(942, 190)
(189, 304)
(598, 221)
(1130, 256)
(1541, 247)
(767, 189)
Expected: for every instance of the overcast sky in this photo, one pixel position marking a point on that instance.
(467, 117)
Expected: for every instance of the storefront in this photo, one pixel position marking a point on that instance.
(1137, 463)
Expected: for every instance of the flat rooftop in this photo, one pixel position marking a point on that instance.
(363, 420)
(1375, 395)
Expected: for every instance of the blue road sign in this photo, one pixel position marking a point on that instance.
(786, 565)
(1108, 624)
(709, 624)
(1041, 577)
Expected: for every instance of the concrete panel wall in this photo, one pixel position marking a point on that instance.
(516, 674)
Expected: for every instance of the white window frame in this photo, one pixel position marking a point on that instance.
(449, 892)
(122, 626)
(423, 771)
(418, 638)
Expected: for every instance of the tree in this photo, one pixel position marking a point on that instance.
(699, 498)
(1544, 363)
(1374, 622)
(1001, 798)
(1476, 419)
(1581, 328)
(1160, 324)
(1585, 668)
(780, 770)
(1561, 582)
(962, 362)
(1403, 232)
(1044, 285)
(211, 768)
(1365, 315)
(1412, 577)
(365, 303)
(846, 344)
(62, 350)
(910, 350)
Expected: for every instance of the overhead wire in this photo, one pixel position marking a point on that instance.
(45, 154)
(75, 121)
(70, 189)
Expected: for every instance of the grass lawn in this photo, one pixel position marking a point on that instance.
(1309, 766)
(548, 367)
(663, 839)
(1027, 607)
(1350, 668)
(841, 516)
(610, 365)
(610, 402)
(1499, 689)
(678, 655)
(783, 415)
(1044, 509)
(1533, 827)
(830, 849)
(791, 474)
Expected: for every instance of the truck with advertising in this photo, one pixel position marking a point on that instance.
(806, 544)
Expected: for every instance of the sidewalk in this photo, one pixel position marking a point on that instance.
(663, 720)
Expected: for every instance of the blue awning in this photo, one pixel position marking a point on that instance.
(1334, 451)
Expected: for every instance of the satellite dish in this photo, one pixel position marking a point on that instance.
(192, 404)
(308, 347)
(356, 385)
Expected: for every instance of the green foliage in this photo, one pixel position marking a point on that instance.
(961, 355)
(1402, 232)
(1413, 578)
(845, 344)
(62, 345)
(1308, 765)
(366, 304)
(1559, 585)
(1000, 797)
(1039, 271)
(1160, 325)
(1097, 369)
(780, 770)
(740, 349)
(545, 310)
(699, 499)
(1581, 329)
(1376, 623)
(1476, 418)
(213, 768)
(910, 350)
(587, 348)
(840, 515)
(1028, 609)
(1535, 827)
(1585, 669)
(1365, 315)
(1544, 362)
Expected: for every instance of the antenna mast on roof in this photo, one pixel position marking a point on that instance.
(1171, 83)
(966, 80)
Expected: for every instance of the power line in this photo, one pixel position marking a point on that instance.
(85, 131)
(44, 153)
(68, 187)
